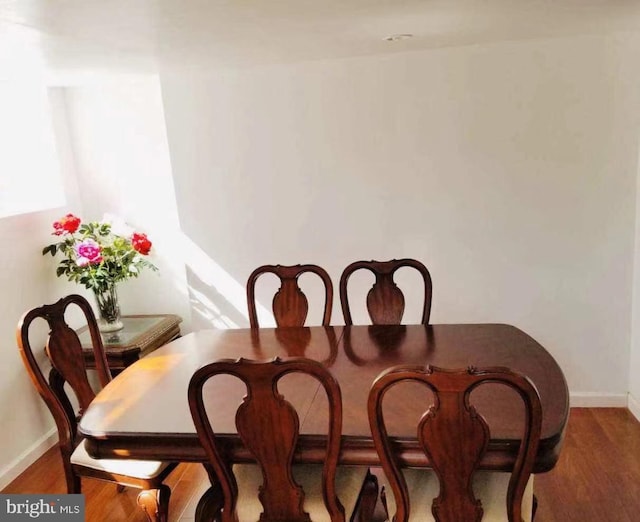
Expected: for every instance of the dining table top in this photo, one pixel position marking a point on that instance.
(144, 412)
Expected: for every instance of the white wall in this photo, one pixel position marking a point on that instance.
(113, 154)
(122, 161)
(28, 280)
(634, 361)
(25, 280)
(508, 169)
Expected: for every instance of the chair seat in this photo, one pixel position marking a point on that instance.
(141, 469)
(489, 487)
(349, 482)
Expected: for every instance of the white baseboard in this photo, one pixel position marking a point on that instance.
(634, 406)
(597, 400)
(28, 457)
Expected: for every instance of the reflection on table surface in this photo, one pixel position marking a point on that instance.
(145, 413)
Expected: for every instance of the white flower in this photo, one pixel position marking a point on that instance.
(118, 226)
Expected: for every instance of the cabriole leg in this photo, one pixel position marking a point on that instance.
(155, 503)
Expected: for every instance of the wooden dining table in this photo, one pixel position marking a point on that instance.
(144, 413)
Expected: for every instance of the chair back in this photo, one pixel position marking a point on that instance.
(64, 351)
(269, 428)
(385, 301)
(454, 437)
(290, 305)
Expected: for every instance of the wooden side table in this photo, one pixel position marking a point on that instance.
(141, 335)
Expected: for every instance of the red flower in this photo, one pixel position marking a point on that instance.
(66, 225)
(141, 243)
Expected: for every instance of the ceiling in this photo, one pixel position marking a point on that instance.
(133, 34)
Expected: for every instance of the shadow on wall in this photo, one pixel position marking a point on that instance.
(217, 300)
(210, 307)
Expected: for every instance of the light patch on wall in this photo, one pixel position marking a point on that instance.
(219, 296)
(30, 177)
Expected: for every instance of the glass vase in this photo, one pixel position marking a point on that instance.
(109, 309)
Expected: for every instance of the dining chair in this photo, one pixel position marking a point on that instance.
(454, 436)
(274, 488)
(67, 361)
(290, 305)
(385, 301)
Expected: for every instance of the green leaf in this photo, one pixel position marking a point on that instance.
(51, 249)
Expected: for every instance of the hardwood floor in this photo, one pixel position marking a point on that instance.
(596, 480)
(103, 502)
(598, 475)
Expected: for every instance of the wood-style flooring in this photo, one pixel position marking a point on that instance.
(597, 478)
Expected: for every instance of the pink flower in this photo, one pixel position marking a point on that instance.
(66, 225)
(87, 252)
(140, 243)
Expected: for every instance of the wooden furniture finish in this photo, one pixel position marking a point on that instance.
(125, 420)
(573, 492)
(140, 336)
(290, 305)
(385, 301)
(66, 355)
(269, 427)
(454, 436)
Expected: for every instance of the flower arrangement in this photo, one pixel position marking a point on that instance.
(95, 255)
(98, 255)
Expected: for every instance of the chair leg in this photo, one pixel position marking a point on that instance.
(366, 506)
(155, 503)
(74, 484)
(73, 480)
(209, 505)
